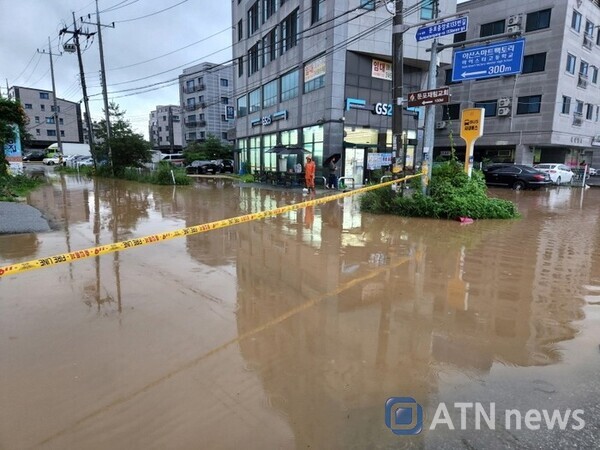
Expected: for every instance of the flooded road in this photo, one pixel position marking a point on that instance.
(294, 331)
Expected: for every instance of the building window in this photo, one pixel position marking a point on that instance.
(538, 20)
(191, 118)
(49, 120)
(492, 28)
(451, 112)
(164, 118)
(191, 136)
(589, 29)
(62, 133)
(50, 132)
(253, 60)
(224, 82)
(254, 100)
(490, 107)
(460, 37)
(242, 106)
(576, 21)
(44, 95)
(28, 106)
(289, 85)
(269, 46)
(240, 66)
(578, 107)
(253, 19)
(201, 98)
(43, 107)
(270, 93)
(269, 8)
(201, 117)
(225, 100)
(317, 10)
(223, 118)
(594, 75)
(583, 68)
(589, 112)
(427, 9)
(37, 119)
(191, 104)
(571, 61)
(37, 131)
(60, 121)
(52, 108)
(530, 104)
(202, 135)
(224, 136)
(566, 105)
(288, 32)
(240, 30)
(534, 63)
(314, 74)
(367, 4)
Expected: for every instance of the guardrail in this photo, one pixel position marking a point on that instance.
(346, 178)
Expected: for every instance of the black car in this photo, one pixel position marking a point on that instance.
(516, 176)
(201, 167)
(224, 165)
(34, 156)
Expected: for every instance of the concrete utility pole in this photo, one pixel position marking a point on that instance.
(76, 32)
(429, 135)
(104, 91)
(55, 115)
(398, 29)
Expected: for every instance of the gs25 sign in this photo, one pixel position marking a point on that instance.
(382, 109)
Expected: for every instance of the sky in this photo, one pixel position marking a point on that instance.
(193, 31)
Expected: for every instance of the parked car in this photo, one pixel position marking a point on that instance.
(52, 160)
(34, 156)
(559, 173)
(224, 165)
(176, 159)
(201, 167)
(516, 176)
(85, 162)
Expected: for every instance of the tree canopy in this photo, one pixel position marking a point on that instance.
(129, 149)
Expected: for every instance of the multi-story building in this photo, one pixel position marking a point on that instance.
(551, 111)
(165, 129)
(206, 97)
(39, 107)
(317, 74)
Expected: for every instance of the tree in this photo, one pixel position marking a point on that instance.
(128, 148)
(11, 111)
(211, 148)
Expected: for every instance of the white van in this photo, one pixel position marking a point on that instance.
(174, 158)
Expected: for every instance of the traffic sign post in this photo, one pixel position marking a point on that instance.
(435, 30)
(471, 129)
(500, 59)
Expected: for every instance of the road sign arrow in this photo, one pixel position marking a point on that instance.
(468, 74)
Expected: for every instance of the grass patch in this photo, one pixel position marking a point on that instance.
(162, 175)
(12, 187)
(452, 194)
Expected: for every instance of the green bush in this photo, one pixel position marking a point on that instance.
(451, 195)
(12, 187)
(162, 175)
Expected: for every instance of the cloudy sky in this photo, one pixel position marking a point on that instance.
(140, 51)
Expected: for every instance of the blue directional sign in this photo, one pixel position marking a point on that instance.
(500, 59)
(435, 30)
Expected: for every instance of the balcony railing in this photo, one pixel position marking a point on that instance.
(190, 107)
(191, 124)
(189, 89)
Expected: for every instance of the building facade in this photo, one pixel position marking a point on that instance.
(551, 111)
(39, 107)
(206, 97)
(165, 131)
(317, 74)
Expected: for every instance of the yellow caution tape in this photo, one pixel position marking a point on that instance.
(160, 237)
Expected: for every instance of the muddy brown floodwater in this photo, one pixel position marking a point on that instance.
(293, 332)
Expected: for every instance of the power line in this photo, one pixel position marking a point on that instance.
(152, 14)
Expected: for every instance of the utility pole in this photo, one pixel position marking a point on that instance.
(88, 119)
(398, 29)
(429, 135)
(55, 115)
(104, 90)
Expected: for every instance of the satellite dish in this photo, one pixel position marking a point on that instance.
(390, 5)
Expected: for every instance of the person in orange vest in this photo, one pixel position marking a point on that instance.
(309, 174)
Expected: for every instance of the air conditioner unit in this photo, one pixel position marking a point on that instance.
(440, 125)
(504, 102)
(514, 20)
(513, 29)
(503, 112)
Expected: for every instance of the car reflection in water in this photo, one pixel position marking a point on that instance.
(516, 176)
